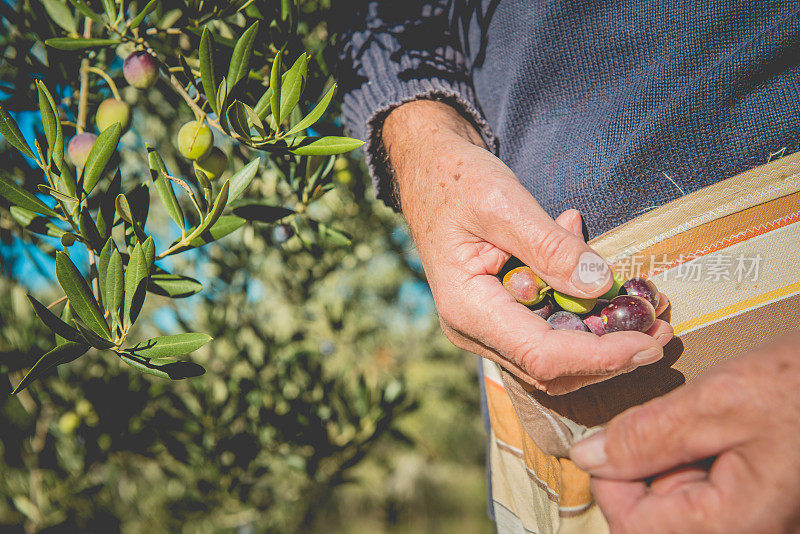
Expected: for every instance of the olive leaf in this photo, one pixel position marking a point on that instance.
(164, 187)
(102, 150)
(323, 146)
(74, 43)
(207, 74)
(61, 15)
(23, 198)
(115, 285)
(64, 353)
(146, 10)
(315, 113)
(242, 179)
(169, 346)
(34, 223)
(135, 284)
(172, 370)
(174, 285)
(10, 130)
(292, 86)
(275, 86)
(84, 9)
(80, 296)
(54, 323)
(242, 52)
(52, 125)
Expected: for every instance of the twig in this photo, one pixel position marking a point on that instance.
(83, 95)
(62, 299)
(108, 80)
(188, 189)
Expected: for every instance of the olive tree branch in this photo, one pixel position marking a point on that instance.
(83, 94)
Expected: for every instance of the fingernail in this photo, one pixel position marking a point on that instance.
(592, 272)
(590, 453)
(647, 356)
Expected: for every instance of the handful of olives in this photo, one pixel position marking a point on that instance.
(628, 305)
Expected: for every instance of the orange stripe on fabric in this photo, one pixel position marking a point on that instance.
(752, 302)
(508, 429)
(722, 233)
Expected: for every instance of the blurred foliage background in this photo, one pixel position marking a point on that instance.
(331, 402)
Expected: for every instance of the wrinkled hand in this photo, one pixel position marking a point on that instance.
(468, 214)
(724, 451)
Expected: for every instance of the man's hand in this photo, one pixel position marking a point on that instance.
(468, 214)
(724, 451)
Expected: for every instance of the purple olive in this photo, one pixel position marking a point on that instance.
(140, 70)
(641, 287)
(595, 324)
(628, 312)
(564, 320)
(545, 308)
(281, 233)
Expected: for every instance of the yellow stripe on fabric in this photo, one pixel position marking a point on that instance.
(727, 311)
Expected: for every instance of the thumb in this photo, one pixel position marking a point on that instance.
(512, 220)
(675, 430)
(571, 221)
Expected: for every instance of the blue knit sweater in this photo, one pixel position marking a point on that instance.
(609, 106)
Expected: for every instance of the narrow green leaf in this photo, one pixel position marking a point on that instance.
(55, 193)
(64, 353)
(323, 146)
(20, 197)
(242, 52)
(237, 118)
(207, 73)
(242, 179)
(148, 8)
(124, 208)
(115, 285)
(164, 187)
(261, 212)
(106, 214)
(315, 114)
(66, 317)
(49, 119)
(10, 130)
(61, 14)
(225, 225)
(172, 370)
(222, 100)
(74, 43)
(135, 284)
(174, 285)
(53, 130)
(89, 230)
(84, 9)
(102, 150)
(35, 223)
(292, 86)
(149, 251)
(54, 323)
(110, 9)
(275, 85)
(169, 346)
(219, 205)
(93, 339)
(102, 268)
(80, 296)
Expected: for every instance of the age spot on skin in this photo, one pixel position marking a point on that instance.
(441, 184)
(457, 176)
